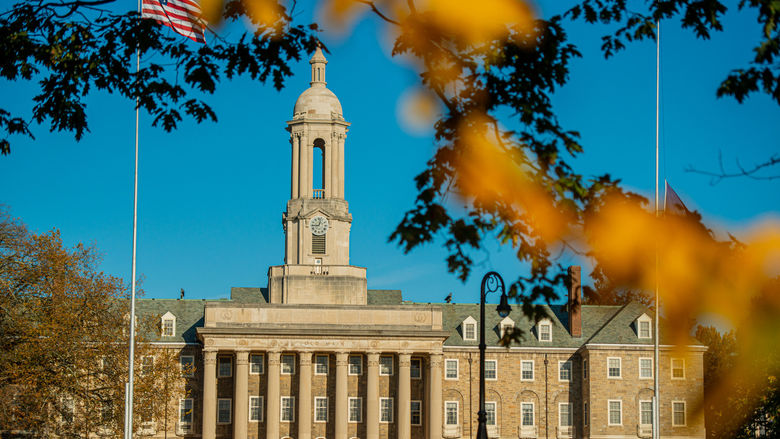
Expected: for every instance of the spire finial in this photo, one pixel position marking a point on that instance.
(318, 63)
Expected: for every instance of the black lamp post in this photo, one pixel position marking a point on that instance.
(492, 282)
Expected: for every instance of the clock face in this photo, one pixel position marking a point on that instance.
(318, 225)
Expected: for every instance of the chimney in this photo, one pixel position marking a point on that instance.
(575, 301)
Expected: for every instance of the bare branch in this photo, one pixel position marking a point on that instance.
(722, 174)
(378, 12)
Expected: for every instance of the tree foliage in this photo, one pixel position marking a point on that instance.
(63, 341)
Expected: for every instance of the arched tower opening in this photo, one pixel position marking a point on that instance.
(318, 169)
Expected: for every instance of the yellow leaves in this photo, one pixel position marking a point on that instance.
(418, 109)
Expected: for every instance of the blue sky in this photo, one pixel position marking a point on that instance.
(211, 195)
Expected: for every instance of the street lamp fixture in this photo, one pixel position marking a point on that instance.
(491, 282)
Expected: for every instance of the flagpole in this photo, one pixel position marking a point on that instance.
(129, 388)
(656, 395)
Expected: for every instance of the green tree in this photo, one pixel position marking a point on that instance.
(63, 341)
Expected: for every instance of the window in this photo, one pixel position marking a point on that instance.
(385, 365)
(613, 368)
(288, 364)
(321, 364)
(416, 407)
(147, 365)
(386, 410)
(678, 413)
(506, 325)
(318, 244)
(416, 368)
(288, 409)
(224, 367)
(451, 369)
(187, 364)
(490, 412)
(615, 412)
(355, 365)
(256, 364)
(491, 369)
(185, 411)
(256, 408)
(469, 329)
(545, 330)
(644, 329)
(678, 369)
(584, 369)
(224, 414)
(168, 325)
(564, 371)
(645, 368)
(585, 414)
(527, 411)
(320, 409)
(451, 413)
(355, 410)
(68, 409)
(564, 414)
(645, 412)
(527, 370)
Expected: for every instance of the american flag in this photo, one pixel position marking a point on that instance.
(183, 16)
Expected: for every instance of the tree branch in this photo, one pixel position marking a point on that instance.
(722, 174)
(378, 12)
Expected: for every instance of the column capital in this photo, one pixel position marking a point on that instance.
(435, 359)
(372, 358)
(304, 357)
(342, 358)
(274, 358)
(210, 356)
(242, 357)
(404, 359)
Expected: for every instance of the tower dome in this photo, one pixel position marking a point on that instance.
(317, 102)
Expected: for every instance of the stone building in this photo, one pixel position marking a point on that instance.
(316, 355)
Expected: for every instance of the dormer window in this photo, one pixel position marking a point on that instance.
(544, 330)
(168, 324)
(469, 328)
(506, 325)
(644, 328)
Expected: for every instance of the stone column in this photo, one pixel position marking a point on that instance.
(304, 396)
(304, 171)
(341, 140)
(209, 429)
(342, 402)
(272, 398)
(372, 396)
(327, 167)
(296, 140)
(434, 396)
(404, 396)
(241, 395)
(309, 167)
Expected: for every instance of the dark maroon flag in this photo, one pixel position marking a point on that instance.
(673, 203)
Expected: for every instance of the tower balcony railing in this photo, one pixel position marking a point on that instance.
(318, 194)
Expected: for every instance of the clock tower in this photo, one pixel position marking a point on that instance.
(316, 223)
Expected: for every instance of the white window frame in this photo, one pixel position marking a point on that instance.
(349, 409)
(585, 369)
(292, 408)
(262, 408)
(560, 370)
(457, 413)
(685, 414)
(495, 413)
(533, 373)
(261, 364)
(147, 368)
(620, 368)
(544, 323)
(446, 369)
(412, 368)
(183, 401)
(191, 373)
(642, 401)
(220, 360)
(470, 322)
(358, 365)
(644, 318)
(385, 358)
(620, 411)
(650, 359)
(682, 360)
(291, 364)
(504, 324)
(317, 364)
(168, 317)
(230, 411)
(321, 398)
(571, 415)
(392, 410)
(495, 369)
(533, 413)
(419, 411)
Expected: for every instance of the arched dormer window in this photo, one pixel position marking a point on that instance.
(168, 324)
(644, 326)
(469, 329)
(505, 325)
(544, 330)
